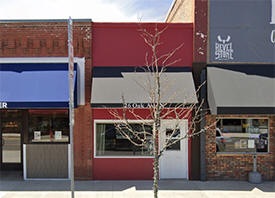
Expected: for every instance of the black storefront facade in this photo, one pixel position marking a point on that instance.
(240, 90)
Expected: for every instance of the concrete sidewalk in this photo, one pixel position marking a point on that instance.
(16, 187)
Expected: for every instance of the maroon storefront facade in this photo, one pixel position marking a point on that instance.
(119, 48)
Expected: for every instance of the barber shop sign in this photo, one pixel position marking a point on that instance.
(3, 105)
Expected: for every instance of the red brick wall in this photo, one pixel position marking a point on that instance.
(237, 166)
(49, 39)
(200, 31)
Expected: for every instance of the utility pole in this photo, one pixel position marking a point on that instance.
(71, 102)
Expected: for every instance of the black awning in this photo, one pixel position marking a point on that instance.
(241, 89)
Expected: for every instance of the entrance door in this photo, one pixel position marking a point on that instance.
(11, 139)
(174, 161)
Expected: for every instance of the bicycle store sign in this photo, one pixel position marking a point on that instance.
(272, 35)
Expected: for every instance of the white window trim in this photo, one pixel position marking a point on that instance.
(80, 70)
(112, 122)
(249, 153)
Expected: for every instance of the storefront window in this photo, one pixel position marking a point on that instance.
(110, 142)
(242, 135)
(48, 126)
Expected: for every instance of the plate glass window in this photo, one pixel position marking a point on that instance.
(48, 126)
(242, 135)
(111, 142)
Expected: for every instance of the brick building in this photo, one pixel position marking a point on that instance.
(240, 89)
(239, 68)
(34, 98)
(45, 42)
(240, 79)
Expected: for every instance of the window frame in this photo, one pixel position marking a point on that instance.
(115, 122)
(241, 153)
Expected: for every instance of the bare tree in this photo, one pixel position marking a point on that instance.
(156, 86)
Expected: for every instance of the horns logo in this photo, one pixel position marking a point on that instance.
(223, 40)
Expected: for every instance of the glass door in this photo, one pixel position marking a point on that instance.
(11, 140)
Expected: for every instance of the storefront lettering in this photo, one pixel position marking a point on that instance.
(223, 49)
(3, 105)
(272, 36)
(272, 12)
(142, 105)
(138, 105)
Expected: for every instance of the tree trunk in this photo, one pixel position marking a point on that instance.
(156, 162)
(156, 178)
(156, 129)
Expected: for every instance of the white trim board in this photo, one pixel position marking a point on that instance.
(24, 163)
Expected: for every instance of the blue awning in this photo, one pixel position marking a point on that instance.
(35, 85)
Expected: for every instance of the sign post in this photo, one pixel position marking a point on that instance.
(71, 101)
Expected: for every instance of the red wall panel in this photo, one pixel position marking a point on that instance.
(120, 44)
(127, 168)
(123, 168)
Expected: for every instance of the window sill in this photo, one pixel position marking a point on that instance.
(242, 154)
(48, 143)
(125, 157)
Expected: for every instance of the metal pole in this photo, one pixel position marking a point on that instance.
(71, 103)
(203, 95)
(255, 163)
